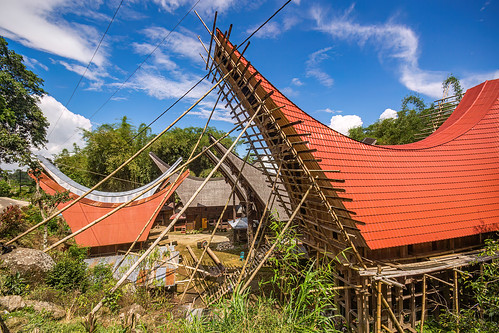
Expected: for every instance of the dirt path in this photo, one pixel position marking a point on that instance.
(4, 202)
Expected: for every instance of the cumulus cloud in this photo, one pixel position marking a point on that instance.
(65, 126)
(388, 114)
(38, 25)
(313, 67)
(344, 123)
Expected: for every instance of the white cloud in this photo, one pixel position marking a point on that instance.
(33, 63)
(343, 123)
(388, 114)
(183, 43)
(67, 129)
(38, 25)
(162, 87)
(273, 28)
(95, 74)
(219, 114)
(290, 92)
(206, 7)
(328, 110)
(313, 69)
(296, 81)
(392, 41)
(270, 30)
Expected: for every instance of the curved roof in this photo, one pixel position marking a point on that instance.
(445, 186)
(100, 196)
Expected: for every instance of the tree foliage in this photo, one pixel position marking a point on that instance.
(400, 130)
(22, 124)
(411, 119)
(108, 146)
(453, 81)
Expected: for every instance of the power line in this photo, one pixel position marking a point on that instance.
(197, 83)
(140, 66)
(146, 58)
(86, 69)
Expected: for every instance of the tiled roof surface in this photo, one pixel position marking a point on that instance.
(445, 186)
(120, 228)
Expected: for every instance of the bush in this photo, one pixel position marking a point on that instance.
(70, 272)
(11, 221)
(4, 188)
(14, 284)
(100, 275)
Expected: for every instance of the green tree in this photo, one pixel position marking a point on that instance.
(453, 81)
(179, 142)
(400, 130)
(22, 124)
(108, 146)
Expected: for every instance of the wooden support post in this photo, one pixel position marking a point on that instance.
(277, 241)
(400, 304)
(423, 304)
(389, 298)
(413, 303)
(392, 315)
(378, 304)
(365, 306)
(456, 300)
(347, 296)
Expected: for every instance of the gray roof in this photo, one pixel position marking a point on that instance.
(215, 192)
(253, 178)
(100, 196)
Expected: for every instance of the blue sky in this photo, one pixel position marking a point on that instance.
(345, 63)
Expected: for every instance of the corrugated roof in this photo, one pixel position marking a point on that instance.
(445, 186)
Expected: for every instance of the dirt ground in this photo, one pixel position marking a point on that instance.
(4, 202)
(230, 258)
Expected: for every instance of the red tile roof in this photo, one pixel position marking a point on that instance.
(445, 186)
(120, 228)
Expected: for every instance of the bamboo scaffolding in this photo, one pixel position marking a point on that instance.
(163, 201)
(160, 237)
(264, 216)
(216, 225)
(278, 239)
(147, 145)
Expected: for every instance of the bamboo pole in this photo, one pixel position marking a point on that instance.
(163, 201)
(121, 166)
(160, 237)
(423, 305)
(278, 239)
(216, 225)
(392, 315)
(378, 303)
(456, 300)
(264, 216)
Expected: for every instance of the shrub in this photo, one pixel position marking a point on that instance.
(70, 272)
(11, 221)
(4, 188)
(14, 284)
